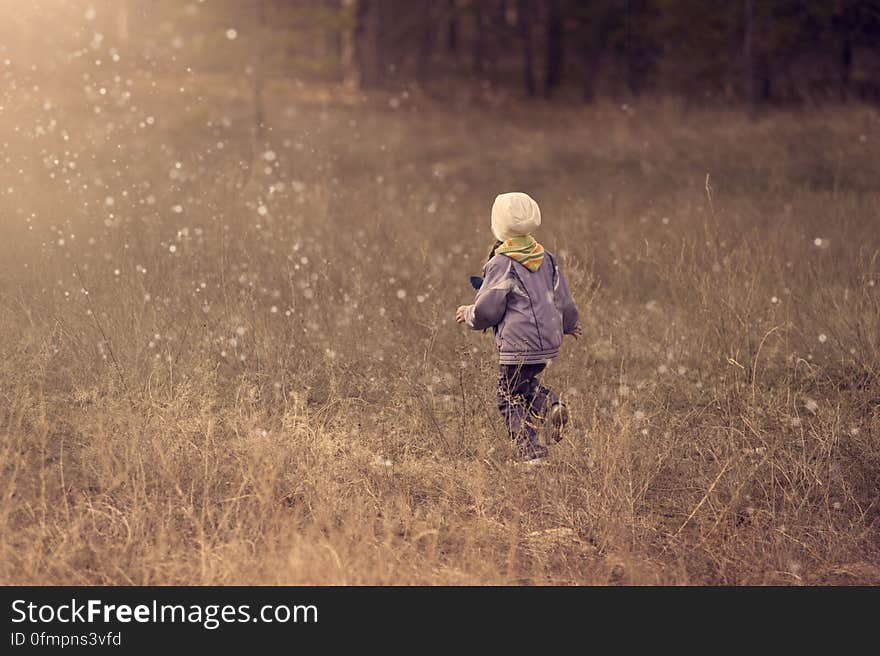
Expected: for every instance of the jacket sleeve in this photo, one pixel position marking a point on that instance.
(565, 303)
(491, 300)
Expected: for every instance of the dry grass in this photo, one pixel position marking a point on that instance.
(260, 406)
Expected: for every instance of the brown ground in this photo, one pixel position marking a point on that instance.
(265, 384)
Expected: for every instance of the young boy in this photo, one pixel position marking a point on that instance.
(525, 299)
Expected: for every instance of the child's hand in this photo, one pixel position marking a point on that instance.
(459, 314)
(577, 332)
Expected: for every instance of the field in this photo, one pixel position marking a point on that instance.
(231, 362)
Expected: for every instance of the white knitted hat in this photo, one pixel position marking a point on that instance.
(514, 214)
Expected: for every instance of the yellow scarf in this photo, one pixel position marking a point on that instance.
(524, 250)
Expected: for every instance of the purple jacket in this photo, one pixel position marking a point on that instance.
(528, 311)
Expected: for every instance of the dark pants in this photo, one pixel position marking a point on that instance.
(523, 401)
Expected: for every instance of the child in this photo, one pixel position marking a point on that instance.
(526, 301)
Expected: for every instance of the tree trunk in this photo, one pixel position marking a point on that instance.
(499, 24)
(842, 23)
(631, 58)
(479, 39)
(763, 80)
(426, 44)
(846, 65)
(555, 48)
(524, 17)
(369, 46)
(346, 44)
(452, 33)
(590, 54)
(259, 72)
(749, 75)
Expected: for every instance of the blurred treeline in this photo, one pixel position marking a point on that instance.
(754, 51)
